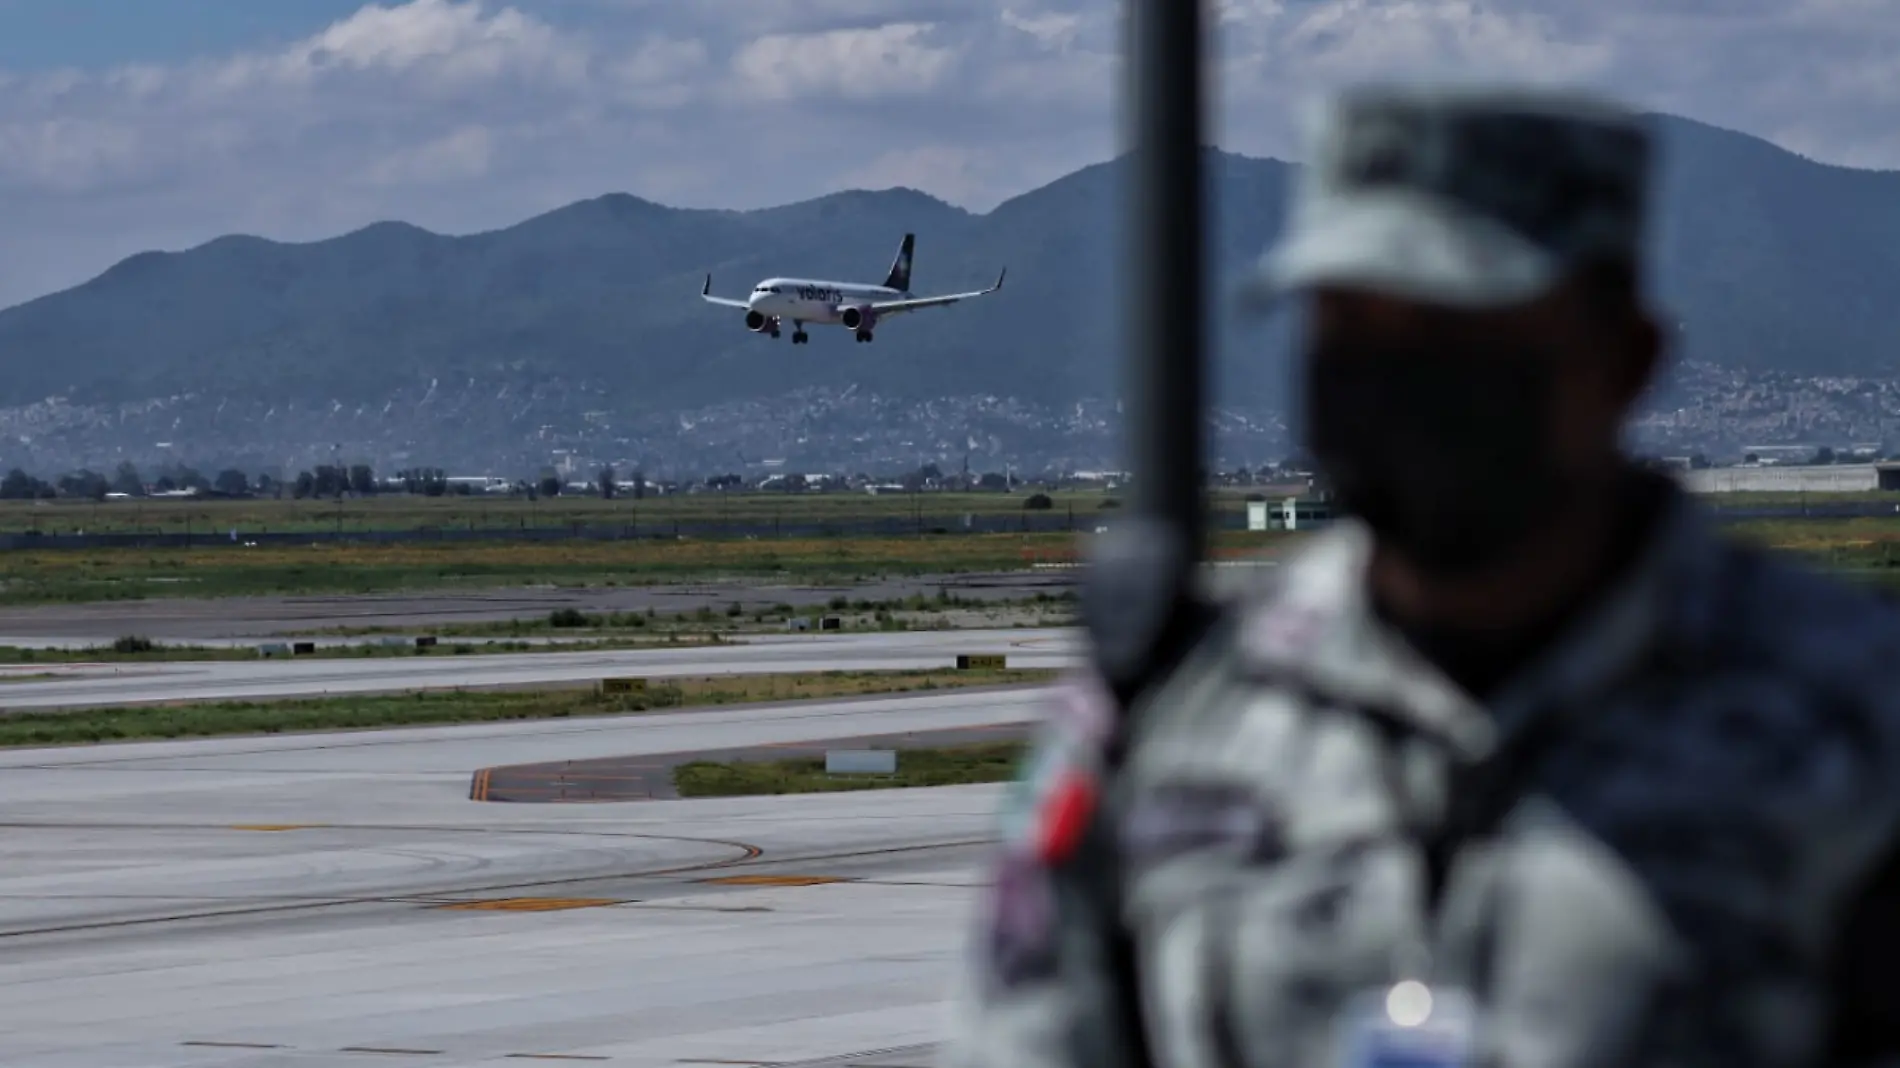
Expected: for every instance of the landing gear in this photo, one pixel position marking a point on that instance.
(773, 329)
(864, 337)
(799, 336)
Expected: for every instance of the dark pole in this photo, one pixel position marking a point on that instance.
(1165, 331)
(1141, 606)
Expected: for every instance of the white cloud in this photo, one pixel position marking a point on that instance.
(1436, 38)
(467, 114)
(1055, 31)
(462, 154)
(897, 59)
(959, 175)
(79, 154)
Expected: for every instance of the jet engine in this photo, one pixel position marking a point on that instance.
(857, 318)
(757, 321)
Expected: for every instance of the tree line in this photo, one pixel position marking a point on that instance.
(320, 482)
(326, 480)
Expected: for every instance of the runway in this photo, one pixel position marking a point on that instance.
(337, 900)
(145, 683)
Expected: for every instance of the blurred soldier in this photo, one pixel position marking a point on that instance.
(1518, 763)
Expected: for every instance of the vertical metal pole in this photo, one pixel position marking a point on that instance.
(1165, 328)
(1140, 604)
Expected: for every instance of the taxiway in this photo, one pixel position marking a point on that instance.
(338, 900)
(210, 680)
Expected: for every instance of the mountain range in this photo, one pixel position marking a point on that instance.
(1769, 261)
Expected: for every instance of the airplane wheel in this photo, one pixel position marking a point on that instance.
(800, 338)
(864, 336)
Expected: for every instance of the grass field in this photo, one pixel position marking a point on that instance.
(30, 576)
(1850, 543)
(203, 720)
(401, 512)
(133, 649)
(216, 518)
(64, 576)
(951, 766)
(918, 612)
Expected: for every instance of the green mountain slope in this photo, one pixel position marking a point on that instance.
(1772, 261)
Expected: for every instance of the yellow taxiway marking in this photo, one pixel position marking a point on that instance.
(531, 904)
(775, 880)
(275, 826)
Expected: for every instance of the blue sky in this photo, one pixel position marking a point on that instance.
(96, 34)
(100, 34)
(135, 124)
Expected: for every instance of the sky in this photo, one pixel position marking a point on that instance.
(128, 125)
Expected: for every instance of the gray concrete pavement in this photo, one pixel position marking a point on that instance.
(311, 900)
(125, 684)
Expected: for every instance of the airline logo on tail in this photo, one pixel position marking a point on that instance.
(899, 278)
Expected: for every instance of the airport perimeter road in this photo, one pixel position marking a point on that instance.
(144, 683)
(337, 900)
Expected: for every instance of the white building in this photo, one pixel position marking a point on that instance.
(1816, 478)
(1291, 513)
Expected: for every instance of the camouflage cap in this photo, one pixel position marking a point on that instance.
(1465, 196)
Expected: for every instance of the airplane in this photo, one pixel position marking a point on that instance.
(855, 306)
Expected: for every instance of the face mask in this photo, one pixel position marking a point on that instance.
(1443, 454)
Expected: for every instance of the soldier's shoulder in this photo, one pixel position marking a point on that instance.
(1271, 622)
(1787, 616)
(1318, 576)
(1822, 648)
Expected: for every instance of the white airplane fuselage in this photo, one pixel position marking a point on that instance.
(815, 301)
(856, 306)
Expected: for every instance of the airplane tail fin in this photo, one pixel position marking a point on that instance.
(899, 278)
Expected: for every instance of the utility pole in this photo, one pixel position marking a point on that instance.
(342, 483)
(1140, 602)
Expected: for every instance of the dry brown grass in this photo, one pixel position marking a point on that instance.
(104, 574)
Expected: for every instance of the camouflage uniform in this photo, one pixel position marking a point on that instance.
(1636, 853)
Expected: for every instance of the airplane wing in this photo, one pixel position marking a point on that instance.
(898, 307)
(706, 295)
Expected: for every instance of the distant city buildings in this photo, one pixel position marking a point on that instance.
(491, 441)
